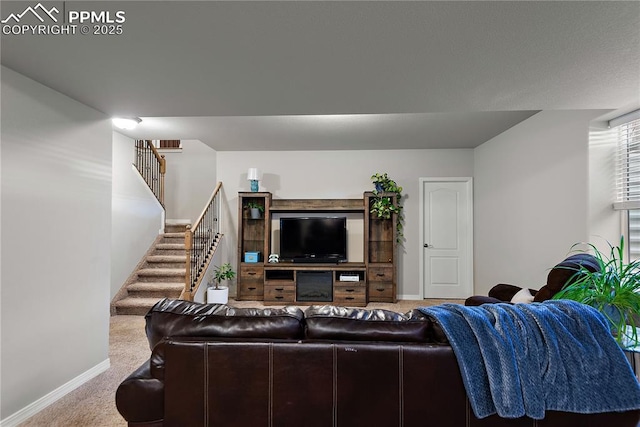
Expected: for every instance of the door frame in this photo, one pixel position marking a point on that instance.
(469, 216)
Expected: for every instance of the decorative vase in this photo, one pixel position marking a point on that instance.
(378, 187)
(218, 296)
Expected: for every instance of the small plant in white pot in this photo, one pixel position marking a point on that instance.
(220, 294)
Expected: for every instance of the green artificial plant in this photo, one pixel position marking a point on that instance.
(383, 205)
(614, 291)
(255, 205)
(223, 272)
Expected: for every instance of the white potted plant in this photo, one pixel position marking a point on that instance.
(220, 294)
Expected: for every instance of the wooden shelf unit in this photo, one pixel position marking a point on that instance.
(276, 283)
(253, 236)
(380, 250)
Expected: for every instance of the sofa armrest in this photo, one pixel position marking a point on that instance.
(157, 361)
(140, 397)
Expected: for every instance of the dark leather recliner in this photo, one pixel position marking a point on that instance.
(561, 275)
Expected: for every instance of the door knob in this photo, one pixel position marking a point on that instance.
(426, 245)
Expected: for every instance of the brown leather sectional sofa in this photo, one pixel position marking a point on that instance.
(213, 365)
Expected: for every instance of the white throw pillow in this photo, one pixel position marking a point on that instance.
(522, 296)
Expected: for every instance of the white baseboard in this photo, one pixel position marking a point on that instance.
(410, 297)
(37, 406)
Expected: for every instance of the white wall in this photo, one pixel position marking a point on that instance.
(137, 216)
(190, 179)
(341, 175)
(56, 233)
(531, 198)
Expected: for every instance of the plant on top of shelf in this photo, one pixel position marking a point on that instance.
(614, 290)
(255, 205)
(383, 206)
(254, 209)
(223, 272)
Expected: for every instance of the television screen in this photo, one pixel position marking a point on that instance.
(321, 239)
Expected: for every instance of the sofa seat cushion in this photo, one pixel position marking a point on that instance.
(340, 323)
(190, 319)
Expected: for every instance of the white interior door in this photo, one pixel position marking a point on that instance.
(446, 220)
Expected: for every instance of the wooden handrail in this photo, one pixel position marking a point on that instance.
(200, 242)
(206, 206)
(159, 157)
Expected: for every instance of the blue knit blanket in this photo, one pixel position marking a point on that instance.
(524, 359)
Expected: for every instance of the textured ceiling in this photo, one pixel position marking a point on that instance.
(331, 75)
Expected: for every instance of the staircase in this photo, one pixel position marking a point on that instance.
(161, 275)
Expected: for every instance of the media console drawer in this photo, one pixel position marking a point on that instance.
(279, 292)
(381, 292)
(253, 272)
(353, 294)
(380, 274)
(251, 283)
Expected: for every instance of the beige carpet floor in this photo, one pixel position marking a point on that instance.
(93, 404)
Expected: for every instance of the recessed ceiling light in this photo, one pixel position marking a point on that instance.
(126, 122)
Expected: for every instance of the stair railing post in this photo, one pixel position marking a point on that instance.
(188, 246)
(163, 169)
(218, 215)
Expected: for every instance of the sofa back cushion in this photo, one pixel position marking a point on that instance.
(179, 318)
(340, 323)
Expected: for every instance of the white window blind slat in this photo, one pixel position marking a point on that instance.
(628, 162)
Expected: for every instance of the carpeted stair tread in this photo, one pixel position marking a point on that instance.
(156, 286)
(166, 258)
(177, 222)
(162, 272)
(135, 306)
(174, 235)
(176, 225)
(170, 246)
(137, 302)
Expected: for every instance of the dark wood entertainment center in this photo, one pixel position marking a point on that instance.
(276, 283)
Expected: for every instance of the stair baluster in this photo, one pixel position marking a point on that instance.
(200, 242)
(151, 166)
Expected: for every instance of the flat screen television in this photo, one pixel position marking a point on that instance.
(314, 239)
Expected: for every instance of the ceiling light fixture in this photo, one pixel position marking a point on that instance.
(126, 122)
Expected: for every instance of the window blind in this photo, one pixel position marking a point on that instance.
(628, 166)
